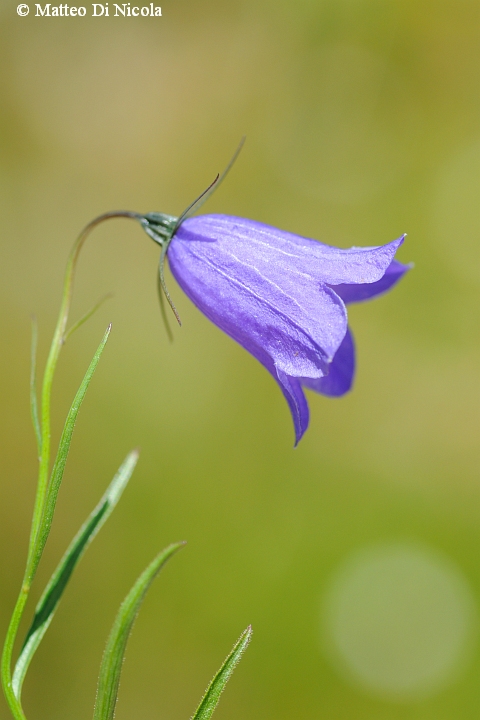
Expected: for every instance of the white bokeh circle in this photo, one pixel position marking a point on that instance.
(399, 621)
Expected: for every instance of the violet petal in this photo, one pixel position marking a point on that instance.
(290, 315)
(342, 370)
(357, 293)
(282, 297)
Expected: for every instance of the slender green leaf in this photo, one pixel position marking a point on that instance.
(62, 454)
(48, 603)
(111, 666)
(212, 695)
(33, 387)
(86, 317)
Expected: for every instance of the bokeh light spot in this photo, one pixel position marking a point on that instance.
(399, 621)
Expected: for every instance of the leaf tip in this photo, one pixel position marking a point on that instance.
(247, 635)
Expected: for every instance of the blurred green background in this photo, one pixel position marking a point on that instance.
(356, 553)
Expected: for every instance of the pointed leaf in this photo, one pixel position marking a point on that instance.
(212, 696)
(62, 454)
(112, 660)
(48, 603)
(87, 316)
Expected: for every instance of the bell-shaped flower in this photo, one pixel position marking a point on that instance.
(282, 297)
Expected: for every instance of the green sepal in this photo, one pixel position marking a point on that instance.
(201, 199)
(111, 667)
(212, 695)
(48, 603)
(159, 226)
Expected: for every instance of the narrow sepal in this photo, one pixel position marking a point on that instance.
(202, 199)
(48, 603)
(111, 667)
(212, 695)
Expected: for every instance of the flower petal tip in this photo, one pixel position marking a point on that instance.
(397, 242)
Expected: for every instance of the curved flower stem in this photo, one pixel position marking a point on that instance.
(57, 342)
(37, 538)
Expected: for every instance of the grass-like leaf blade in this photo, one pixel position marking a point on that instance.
(86, 317)
(48, 603)
(112, 660)
(212, 695)
(63, 450)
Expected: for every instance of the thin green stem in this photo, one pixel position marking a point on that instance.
(37, 538)
(13, 703)
(56, 475)
(57, 342)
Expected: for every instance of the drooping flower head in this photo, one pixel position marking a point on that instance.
(281, 296)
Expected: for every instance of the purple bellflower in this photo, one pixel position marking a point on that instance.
(281, 296)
